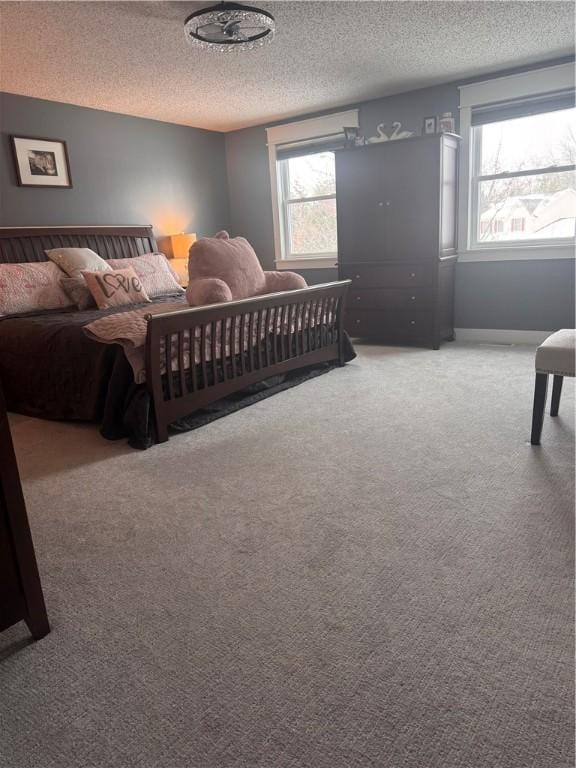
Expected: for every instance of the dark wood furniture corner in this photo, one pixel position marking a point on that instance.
(396, 204)
(21, 597)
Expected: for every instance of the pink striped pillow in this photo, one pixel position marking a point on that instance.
(154, 271)
(30, 288)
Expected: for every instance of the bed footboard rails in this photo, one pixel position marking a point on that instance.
(200, 354)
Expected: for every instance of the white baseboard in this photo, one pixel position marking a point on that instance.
(501, 336)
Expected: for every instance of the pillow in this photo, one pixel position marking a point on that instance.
(73, 261)
(115, 288)
(155, 273)
(30, 288)
(77, 291)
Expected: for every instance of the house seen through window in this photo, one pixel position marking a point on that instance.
(524, 179)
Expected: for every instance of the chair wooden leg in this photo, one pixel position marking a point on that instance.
(556, 392)
(540, 390)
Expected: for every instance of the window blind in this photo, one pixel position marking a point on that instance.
(536, 105)
(327, 143)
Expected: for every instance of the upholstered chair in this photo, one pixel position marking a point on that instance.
(554, 356)
(222, 268)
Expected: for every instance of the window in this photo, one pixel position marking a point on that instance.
(523, 184)
(517, 164)
(308, 201)
(301, 158)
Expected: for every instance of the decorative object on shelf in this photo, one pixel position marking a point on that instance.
(396, 134)
(351, 136)
(380, 137)
(41, 162)
(429, 125)
(229, 27)
(181, 243)
(446, 123)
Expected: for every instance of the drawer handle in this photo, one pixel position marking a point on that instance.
(412, 298)
(357, 322)
(412, 274)
(358, 298)
(412, 322)
(357, 277)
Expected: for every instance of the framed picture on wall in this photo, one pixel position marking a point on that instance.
(429, 125)
(351, 136)
(41, 162)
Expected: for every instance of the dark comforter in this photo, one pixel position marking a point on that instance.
(50, 369)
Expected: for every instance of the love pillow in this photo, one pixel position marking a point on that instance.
(115, 288)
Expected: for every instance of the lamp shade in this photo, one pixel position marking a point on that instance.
(181, 244)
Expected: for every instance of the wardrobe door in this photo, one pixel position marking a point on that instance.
(411, 190)
(360, 204)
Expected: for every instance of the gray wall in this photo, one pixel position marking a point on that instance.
(523, 295)
(249, 191)
(125, 170)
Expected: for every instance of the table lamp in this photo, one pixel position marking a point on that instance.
(180, 245)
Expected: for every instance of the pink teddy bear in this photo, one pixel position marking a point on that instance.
(222, 268)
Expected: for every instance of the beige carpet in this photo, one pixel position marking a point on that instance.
(371, 569)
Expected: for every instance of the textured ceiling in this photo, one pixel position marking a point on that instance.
(132, 57)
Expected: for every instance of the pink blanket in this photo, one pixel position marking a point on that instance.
(129, 329)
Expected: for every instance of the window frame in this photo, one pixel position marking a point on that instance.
(305, 131)
(534, 82)
(476, 179)
(284, 201)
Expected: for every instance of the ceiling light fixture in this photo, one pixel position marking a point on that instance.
(229, 27)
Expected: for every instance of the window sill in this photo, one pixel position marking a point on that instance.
(314, 262)
(518, 253)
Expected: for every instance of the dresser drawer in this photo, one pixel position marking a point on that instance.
(391, 326)
(387, 275)
(386, 299)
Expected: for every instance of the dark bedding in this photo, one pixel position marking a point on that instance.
(50, 369)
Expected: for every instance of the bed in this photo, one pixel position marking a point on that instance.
(192, 358)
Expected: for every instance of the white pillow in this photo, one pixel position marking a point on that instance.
(154, 272)
(74, 261)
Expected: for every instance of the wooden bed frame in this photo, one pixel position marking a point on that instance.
(307, 326)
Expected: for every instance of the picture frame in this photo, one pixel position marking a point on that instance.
(351, 136)
(41, 162)
(429, 125)
(446, 123)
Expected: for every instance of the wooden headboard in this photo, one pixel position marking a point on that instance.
(25, 244)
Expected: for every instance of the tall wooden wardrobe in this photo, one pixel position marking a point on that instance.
(396, 204)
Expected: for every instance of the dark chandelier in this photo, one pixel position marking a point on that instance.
(228, 27)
